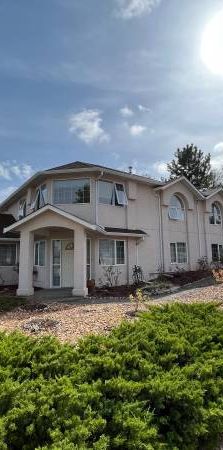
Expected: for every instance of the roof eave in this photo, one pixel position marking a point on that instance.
(185, 180)
(52, 208)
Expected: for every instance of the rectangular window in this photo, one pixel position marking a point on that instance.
(111, 252)
(39, 253)
(7, 254)
(71, 191)
(178, 252)
(112, 193)
(217, 252)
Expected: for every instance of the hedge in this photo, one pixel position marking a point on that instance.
(156, 383)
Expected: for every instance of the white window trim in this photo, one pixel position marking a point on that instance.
(38, 265)
(176, 250)
(72, 179)
(115, 190)
(16, 253)
(22, 204)
(176, 208)
(113, 265)
(215, 216)
(219, 254)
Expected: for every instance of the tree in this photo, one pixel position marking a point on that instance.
(194, 165)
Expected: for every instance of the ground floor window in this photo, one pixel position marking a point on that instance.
(111, 252)
(7, 254)
(39, 253)
(217, 252)
(178, 252)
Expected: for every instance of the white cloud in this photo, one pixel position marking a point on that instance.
(143, 108)
(136, 130)
(11, 169)
(5, 192)
(217, 156)
(160, 168)
(128, 9)
(126, 112)
(87, 126)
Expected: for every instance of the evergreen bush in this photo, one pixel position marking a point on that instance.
(156, 383)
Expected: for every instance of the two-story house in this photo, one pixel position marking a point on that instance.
(65, 225)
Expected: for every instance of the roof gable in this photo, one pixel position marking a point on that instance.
(186, 182)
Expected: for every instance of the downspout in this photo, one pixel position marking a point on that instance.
(161, 233)
(198, 229)
(96, 195)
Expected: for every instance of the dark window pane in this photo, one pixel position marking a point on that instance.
(214, 249)
(7, 254)
(120, 252)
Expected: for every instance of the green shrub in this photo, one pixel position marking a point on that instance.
(156, 384)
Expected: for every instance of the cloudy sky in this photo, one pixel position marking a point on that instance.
(116, 82)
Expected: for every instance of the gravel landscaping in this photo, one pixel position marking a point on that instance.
(69, 321)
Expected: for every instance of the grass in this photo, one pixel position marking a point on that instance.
(8, 303)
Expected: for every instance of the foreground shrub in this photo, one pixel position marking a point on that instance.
(156, 383)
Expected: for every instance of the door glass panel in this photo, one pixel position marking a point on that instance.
(56, 275)
(56, 263)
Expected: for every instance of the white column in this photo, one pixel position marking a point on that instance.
(80, 250)
(26, 264)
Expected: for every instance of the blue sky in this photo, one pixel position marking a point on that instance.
(116, 82)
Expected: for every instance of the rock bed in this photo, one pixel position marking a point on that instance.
(69, 322)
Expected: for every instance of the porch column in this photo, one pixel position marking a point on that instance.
(80, 250)
(26, 264)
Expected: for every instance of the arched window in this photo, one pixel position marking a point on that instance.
(176, 208)
(215, 216)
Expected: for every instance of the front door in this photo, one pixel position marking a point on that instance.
(62, 263)
(67, 263)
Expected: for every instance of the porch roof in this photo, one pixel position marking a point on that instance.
(16, 226)
(108, 231)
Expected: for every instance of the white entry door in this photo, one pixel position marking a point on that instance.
(67, 263)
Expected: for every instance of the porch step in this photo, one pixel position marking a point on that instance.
(53, 293)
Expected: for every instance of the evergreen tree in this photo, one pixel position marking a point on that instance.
(194, 165)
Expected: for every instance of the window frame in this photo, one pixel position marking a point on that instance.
(22, 206)
(220, 249)
(177, 252)
(16, 253)
(72, 179)
(115, 195)
(38, 254)
(115, 252)
(177, 209)
(215, 216)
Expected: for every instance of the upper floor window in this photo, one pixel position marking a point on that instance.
(22, 209)
(215, 216)
(40, 198)
(176, 208)
(71, 191)
(112, 193)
